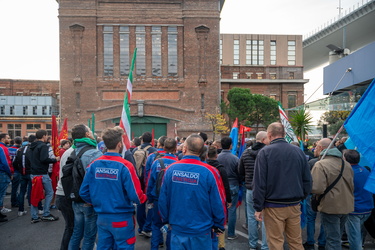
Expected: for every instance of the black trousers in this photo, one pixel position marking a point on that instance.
(65, 206)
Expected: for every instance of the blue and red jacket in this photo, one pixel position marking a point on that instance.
(168, 159)
(5, 162)
(111, 185)
(192, 197)
(150, 160)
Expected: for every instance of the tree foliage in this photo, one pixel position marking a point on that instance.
(300, 121)
(250, 109)
(334, 119)
(240, 104)
(265, 111)
(218, 124)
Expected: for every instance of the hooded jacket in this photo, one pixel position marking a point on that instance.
(39, 158)
(224, 177)
(340, 199)
(247, 162)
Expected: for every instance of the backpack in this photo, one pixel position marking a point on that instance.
(21, 161)
(140, 155)
(159, 178)
(73, 173)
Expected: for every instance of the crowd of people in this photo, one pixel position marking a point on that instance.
(183, 193)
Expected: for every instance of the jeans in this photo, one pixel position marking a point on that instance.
(354, 230)
(253, 223)
(232, 211)
(144, 220)
(25, 187)
(333, 226)
(47, 185)
(15, 185)
(310, 227)
(84, 226)
(4, 182)
(65, 206)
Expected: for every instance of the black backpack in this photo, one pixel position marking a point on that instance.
(73, 174)
(159, 178)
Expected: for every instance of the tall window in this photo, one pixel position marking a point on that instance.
(108, 50)
(172, 51)
(25, 110)
(273, 52)
(14, 130)
(11, 110)
(291, 52)
(2, 110)
(35, 110)
(236, 52)
(156, 50)
(221, 51)
(49, 129)
(254, 52)
(140, 35)
(292, 100)
(235, 75)
(124, 50)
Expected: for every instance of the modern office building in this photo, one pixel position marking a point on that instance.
(270, 65)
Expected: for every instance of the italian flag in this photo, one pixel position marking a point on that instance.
(125, 115)
(289, 133)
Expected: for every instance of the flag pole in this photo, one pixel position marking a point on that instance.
(333, 140)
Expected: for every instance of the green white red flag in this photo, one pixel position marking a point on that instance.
(125, 115)
(289, 133)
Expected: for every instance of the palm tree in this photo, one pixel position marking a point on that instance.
(300, 120)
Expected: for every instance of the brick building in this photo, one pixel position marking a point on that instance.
(27, 105)
(266, 64)
(176, 77)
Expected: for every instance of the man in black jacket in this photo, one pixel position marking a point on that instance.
(246, 171)
(282, 179)
(39, 160)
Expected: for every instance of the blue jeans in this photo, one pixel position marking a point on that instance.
(252, 223)
(84, 226)
(116, 231)
(232, 211)
(25, 188)
(333, 226)
(310, 228)
(47, 185)
(15, 185)
(4, 182)
(354, 230)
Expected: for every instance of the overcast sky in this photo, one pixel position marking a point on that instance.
(29, 30)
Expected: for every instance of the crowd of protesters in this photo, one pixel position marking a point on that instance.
(182, 193)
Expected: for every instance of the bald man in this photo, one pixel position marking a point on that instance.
(281, 180)
(246, 171)
(192, 199)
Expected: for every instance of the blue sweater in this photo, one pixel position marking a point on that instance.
(363, 200)
(111, 185)
(192, 197)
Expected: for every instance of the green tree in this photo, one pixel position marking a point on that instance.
(240, 104)
(334, 119)
(265, 111)
(300, 121)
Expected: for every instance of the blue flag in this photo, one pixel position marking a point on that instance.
(360, 127)
(234, 136)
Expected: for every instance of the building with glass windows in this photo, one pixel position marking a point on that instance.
(177, 72)
(27, 105)
(270, 65)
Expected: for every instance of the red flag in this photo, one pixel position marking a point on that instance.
(64, 130)
(153, 136)
(55, 137)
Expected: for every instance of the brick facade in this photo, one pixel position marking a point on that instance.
(183, 99)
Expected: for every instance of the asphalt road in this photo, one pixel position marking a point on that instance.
(19, 233)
